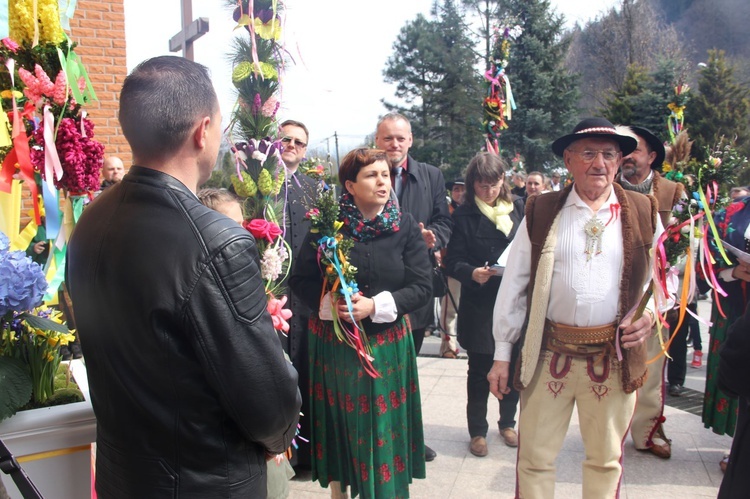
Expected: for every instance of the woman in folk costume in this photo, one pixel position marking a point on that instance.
(733, 224)
(483, 227)
(367, 431)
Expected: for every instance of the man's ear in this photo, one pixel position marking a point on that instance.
(201, 131)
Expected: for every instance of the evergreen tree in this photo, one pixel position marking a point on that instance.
(720, 109)
(433, 69)
(545, 92)
(644, 98)
(619, 107)
(650, 106)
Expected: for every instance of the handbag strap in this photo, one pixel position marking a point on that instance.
(10, 466)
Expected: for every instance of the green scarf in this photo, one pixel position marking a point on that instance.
(498, 214)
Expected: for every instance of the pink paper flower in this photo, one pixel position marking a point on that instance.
(279, 314)
(10, 45)
(263, 229)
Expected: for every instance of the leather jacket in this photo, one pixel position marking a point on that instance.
(187, 376)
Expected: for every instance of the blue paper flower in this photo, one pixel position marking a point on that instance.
(22, 282)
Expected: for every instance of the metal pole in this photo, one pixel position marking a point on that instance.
(338, 160)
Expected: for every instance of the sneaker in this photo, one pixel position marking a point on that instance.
(509, 436)
(697, 359)
(675, 390)
(478, 446)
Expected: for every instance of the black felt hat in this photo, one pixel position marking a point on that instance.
(653, 141)
(458, 181)
(595, 128)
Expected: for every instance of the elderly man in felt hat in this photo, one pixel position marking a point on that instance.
(640, 173)
(579, 264)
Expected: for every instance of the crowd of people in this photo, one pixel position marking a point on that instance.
(194, 391)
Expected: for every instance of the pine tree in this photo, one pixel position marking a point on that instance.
(650, 106)
(433, 69)
(619, 108)
(720, 109)
(545, 92)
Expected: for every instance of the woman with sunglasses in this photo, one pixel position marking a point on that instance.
(367, 431)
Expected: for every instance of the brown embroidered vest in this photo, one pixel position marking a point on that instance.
(638, 214)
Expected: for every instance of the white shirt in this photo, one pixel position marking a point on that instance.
(583, 292)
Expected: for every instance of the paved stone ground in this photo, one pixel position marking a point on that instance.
(692, 472)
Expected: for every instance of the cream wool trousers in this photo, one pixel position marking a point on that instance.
(604, 413)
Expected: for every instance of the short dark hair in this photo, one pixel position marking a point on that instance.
(486, 167)
(160, 102)
(298, 124)
(357, 159)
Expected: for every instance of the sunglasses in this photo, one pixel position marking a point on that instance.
(293, 141)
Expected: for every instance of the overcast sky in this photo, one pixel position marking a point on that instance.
(339, 50)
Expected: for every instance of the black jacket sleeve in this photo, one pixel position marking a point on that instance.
(458, 254)
(241, 354)
(307, 280)
(417, 289)
(734, 358)
(440, 221)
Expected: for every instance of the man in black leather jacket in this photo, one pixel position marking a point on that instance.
(187, 377)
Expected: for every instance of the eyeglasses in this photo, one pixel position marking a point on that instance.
(293, 141)
(589, 156)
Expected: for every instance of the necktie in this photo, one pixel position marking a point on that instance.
(399, 180)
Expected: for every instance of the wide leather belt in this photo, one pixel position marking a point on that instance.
(579, 341)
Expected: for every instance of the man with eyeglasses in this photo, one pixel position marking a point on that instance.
(640, 173)
(579, 263)
(299, 192)
(420, 189)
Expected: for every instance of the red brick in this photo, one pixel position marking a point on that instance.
(113, 16)
(95, 6)
(84, 32)
(86, 50)
(97, 42)
(94, 24)
(90, 14)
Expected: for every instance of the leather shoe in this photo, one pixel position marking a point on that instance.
(661, 448)
(675, 390)
(429, 454)
(478, 446)
(510, 436)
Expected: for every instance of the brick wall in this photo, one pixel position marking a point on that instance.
(99, 29)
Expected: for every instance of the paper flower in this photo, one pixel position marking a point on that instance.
(279, 314)
(22, 282)
(263, 229)
(270, 264)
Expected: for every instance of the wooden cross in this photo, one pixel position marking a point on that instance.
(191, 31)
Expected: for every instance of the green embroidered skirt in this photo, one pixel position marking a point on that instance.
(366, 432)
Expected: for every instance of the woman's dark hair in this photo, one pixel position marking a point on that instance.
(357, 159)
(489, 168)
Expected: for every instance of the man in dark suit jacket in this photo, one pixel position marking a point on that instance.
(300, 193)
(420, 189)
